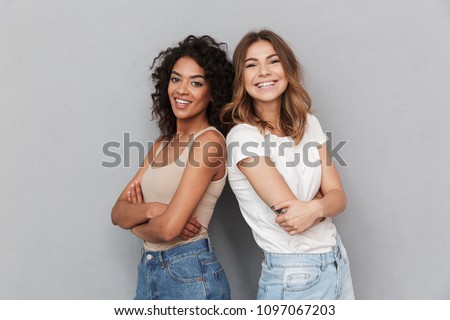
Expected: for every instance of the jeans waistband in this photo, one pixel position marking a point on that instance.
(178, 251)
(303, 259)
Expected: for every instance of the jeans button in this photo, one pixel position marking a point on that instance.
(149, 257)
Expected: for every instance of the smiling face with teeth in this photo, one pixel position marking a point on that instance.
(188, 90)
(264, 77)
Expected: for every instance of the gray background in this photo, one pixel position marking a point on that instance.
(74, 75)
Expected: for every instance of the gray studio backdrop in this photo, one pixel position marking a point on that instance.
(74, 75)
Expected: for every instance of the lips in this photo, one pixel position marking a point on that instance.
(182, 101)
(265, 84)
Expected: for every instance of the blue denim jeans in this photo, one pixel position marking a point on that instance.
(186, 272)
(308, 276)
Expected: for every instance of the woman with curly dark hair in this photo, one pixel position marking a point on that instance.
(170, 201)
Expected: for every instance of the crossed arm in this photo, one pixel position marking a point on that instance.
(135, 197)
(131, 211)
(158, 222)
(299, 215)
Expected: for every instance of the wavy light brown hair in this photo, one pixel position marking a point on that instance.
(295, 102)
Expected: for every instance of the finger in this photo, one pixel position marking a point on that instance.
(194, 229)
(294, 232)
(129, 197)
(283, 225)
(195, 223)
(188, 227)
(280, 219)
(191, 228)
(187, 234)
(139, 192)
(133, 194)
(282, 204)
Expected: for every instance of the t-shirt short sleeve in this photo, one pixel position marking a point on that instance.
(316, 129)
(244, 141)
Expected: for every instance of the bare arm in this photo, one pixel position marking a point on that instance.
(300, 215)
(271, 187)
(134, 196)
(128, 214)
(199, 172)
(334, 200)
(266, 180)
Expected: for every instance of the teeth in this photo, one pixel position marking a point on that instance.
(180, 101)
(266, 84)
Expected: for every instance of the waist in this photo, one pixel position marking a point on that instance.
(305, 259)
(150, 246)
(202, 245)
(271, 238)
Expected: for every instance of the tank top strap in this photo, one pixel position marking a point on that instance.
(198, 134)
(184, 156)
(161, 146)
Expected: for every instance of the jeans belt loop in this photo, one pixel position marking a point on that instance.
(208, 242)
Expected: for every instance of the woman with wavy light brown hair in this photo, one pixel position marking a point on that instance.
(280, 171)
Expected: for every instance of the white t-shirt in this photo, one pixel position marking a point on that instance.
(300, 167)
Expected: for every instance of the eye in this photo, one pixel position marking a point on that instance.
(197, 84)
(273, 61)
(250, 65)
(174, 80)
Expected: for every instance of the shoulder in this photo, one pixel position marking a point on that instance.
(313, 124)
(315, 129)
(210, 141)
(244, 132)
(312, 120)
(210, 136)
(243, 128)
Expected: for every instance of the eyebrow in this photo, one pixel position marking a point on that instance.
(254, 59)
(192, 77)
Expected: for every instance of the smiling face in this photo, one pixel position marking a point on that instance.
(264, 77)
(188, 90)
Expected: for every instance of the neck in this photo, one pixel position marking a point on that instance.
(186, 127)
(270, 112)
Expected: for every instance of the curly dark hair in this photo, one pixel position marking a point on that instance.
(213, 58)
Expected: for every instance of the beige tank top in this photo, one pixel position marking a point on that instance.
(159, 185)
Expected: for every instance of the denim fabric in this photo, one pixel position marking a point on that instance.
(186, 272)
(308, 276)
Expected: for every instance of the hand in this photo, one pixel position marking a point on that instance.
(192, 228)
(134, 194)
(299, 216)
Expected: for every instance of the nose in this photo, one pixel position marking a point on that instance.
(182, 88)
(264, 70)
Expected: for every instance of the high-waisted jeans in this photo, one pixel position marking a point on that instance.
(307, 276)
(186, 272)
